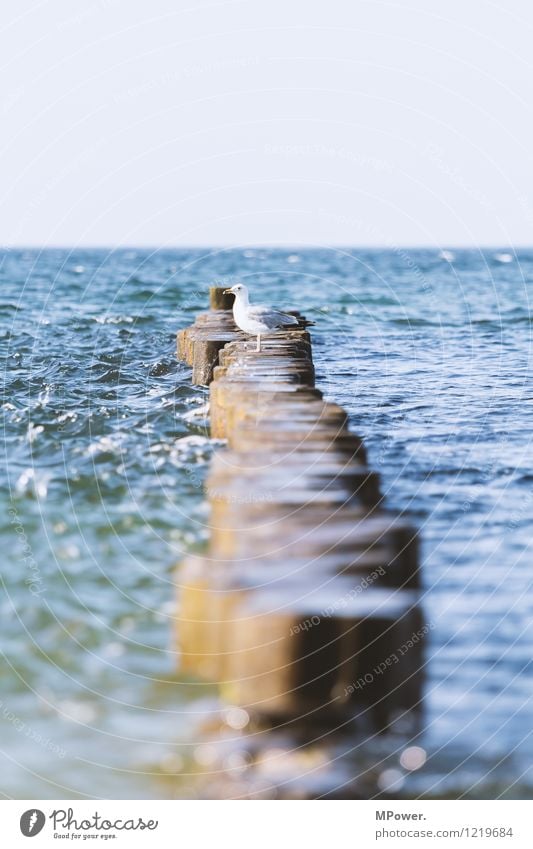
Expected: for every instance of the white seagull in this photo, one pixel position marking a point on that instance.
(258, 320)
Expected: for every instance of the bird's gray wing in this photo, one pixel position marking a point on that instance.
(272, 318)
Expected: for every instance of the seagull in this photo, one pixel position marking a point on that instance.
(258, 320)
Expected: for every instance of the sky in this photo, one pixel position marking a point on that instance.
(248, 122)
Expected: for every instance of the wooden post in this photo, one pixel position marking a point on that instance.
(199, 344)
(218, 300)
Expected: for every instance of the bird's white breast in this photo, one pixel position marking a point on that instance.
(244, 322)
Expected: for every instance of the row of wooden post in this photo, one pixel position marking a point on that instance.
(304, 607)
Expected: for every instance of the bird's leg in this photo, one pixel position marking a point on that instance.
(258, 349)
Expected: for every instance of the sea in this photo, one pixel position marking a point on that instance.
(106, 449)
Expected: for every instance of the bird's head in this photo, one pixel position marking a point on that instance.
(238, 289)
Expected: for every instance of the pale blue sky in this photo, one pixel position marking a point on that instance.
(182, 122)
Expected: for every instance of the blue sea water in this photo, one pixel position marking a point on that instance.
(101, 495)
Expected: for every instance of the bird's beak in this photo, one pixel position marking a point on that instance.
(227, 292)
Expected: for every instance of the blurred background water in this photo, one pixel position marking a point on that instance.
(101, 488)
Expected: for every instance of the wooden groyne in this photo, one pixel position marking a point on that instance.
(304, 607)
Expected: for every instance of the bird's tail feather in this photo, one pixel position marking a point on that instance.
(301, 319)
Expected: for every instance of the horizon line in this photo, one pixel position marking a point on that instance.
(265, 246)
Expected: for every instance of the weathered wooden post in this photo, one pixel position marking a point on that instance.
(199, 345)
(218, 300)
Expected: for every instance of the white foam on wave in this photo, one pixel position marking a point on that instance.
(30, 481)
(103, 445)
(198, 413)
(34, 431)
(114, 319)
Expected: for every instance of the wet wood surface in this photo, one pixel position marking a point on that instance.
(304, 607)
